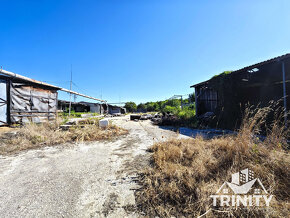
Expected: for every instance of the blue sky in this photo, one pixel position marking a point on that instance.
(138, 50)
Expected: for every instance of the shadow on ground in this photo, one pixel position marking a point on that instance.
(205, 133)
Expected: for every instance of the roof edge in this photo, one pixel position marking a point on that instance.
(279, 58)
(24, 78)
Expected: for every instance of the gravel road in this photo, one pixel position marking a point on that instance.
(79, 180)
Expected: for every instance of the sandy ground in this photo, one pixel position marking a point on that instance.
(83, 180)
(4, 129)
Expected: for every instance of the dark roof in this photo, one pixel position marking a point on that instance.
(73, 103)
(114, 106)
(89, 103)
(199, 84)
(282, 57)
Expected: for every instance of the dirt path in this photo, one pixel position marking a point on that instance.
(84, 180)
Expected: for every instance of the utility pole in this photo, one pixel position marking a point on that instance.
(69, 110)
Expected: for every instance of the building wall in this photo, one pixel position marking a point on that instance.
(80, 108)
(31, 103)
(114, 110)
(95, 108)
(207, 100)
(236, 91)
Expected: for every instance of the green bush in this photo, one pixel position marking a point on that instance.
(152, 106)
(186, 113)
(77, 114)
(170, 109)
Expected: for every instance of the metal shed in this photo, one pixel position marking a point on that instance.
(116, 109)
(94, 107)
(63, 106)
(23, 100)
(227, 95)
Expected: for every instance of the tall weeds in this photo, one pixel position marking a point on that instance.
(184, 173)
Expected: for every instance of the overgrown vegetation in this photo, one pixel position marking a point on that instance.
(48, 134)
(181, 112)
(180, 117)
(223, 73)
(74, 114)
(184, 173)
(160, 106)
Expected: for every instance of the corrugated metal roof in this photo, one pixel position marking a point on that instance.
(279, 58)
(199, 84)
(73, 103)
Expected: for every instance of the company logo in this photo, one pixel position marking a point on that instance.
(243, 190)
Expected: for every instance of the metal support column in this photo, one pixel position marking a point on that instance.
(69, 110)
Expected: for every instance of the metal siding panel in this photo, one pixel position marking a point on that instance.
(29, 103)
(95, 109)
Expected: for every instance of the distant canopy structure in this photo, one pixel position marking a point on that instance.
(91, 107)
(224, 97)
(63, 106)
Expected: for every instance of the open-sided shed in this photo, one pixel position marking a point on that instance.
(63, 106)
(226, 95)
(94, 107)
(23, 100)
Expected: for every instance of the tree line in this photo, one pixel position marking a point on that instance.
(171, 106)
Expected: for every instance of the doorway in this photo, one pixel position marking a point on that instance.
(3, 102)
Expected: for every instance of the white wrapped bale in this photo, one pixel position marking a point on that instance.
(104, 123)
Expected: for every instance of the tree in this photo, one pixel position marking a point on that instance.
(152, 106)
(141, 107)
(191, 97)
(131, 106)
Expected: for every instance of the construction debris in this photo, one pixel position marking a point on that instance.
(135, 117)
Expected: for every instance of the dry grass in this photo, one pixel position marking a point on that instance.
(184, 173)
(48, 134)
